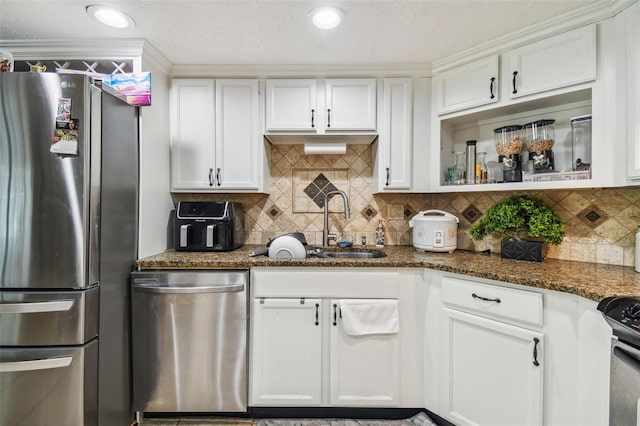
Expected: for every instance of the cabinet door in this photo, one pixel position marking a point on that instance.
(632, 31)
(192, 134)
(396, 136)
(365, 370)
(489, 372)
(291, 105)
(350, 105)
(559, 61)
(467, 86)
(238, 138)
(286, 352)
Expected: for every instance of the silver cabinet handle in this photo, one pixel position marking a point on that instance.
(38, 364)
(210, 177)
(36, 307)
(219, 177)
(189, 290)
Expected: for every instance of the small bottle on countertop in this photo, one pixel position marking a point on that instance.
(380, 234)
(637, 264)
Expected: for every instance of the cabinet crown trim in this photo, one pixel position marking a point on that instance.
(592, 13)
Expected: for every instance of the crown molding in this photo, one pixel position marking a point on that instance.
(307, 70)
(154, 57)
(74, 49)
(589, 14)
(135, 49)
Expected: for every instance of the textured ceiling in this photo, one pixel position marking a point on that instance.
(270, 32)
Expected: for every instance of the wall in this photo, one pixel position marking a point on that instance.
(154, 162)
(600, 223)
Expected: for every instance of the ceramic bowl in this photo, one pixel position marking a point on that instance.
(287, 247)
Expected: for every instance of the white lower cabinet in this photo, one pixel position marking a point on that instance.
(364, 370)
(292, 336)
(287, 352)
(506, 354)
(301, 356)
(493, 372)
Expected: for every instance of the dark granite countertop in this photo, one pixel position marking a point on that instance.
(590, 280)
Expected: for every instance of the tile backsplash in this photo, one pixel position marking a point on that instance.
(600, 223)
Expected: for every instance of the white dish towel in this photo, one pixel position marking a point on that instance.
(369, 316)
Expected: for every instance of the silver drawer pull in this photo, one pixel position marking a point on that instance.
(486, 299)
(190, 290)
(36, 307)
(38, 364)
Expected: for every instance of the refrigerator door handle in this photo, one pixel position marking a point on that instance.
(231, 288)
(38, 364)
(36, 307)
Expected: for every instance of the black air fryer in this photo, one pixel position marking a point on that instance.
(208, 226)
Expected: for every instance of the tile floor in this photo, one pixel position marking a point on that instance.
(420, 419)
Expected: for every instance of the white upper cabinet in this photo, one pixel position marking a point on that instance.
(631, 32)
(192, 134)
(239, 146)
(292, 105)
(350, 105)
(396, 137)
(555, 62)
(402, 148)
(321, 106)
(468, 85)
(216, 141)
(559, 77)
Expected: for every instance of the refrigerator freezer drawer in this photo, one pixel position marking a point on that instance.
(49, 386)
(48, 318)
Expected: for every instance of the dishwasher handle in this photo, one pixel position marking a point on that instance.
(229, 288)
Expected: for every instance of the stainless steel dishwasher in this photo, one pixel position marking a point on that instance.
(189, 341)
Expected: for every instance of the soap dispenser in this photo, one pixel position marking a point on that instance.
(380, 234)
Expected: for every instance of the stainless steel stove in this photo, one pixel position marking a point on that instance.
(623, 315)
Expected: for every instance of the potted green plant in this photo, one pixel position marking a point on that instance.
(524, 222)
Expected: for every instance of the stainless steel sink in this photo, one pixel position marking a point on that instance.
(355, 253)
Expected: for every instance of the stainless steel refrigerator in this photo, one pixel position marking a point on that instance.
(68, 242)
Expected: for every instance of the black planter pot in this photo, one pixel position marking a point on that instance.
(521, 250)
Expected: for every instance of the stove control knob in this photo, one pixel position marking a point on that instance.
(633, 311)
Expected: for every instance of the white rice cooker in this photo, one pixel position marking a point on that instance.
(435, 230)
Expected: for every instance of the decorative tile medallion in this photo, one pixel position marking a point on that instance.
(273, 212)
(592, 216)
(369, 212)
(310, 187)
(471, 213)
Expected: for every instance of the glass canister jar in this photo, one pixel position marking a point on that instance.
(459, 167)
(509, 143)
(540, 137)
(581, 142)
(508, 140)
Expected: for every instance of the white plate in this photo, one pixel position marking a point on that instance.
(287, 247)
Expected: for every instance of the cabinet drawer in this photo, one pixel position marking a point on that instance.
(492, 300)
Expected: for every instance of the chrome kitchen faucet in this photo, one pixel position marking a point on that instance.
(326, 236)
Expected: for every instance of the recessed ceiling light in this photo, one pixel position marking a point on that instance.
(327, 17)
(110, 16)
